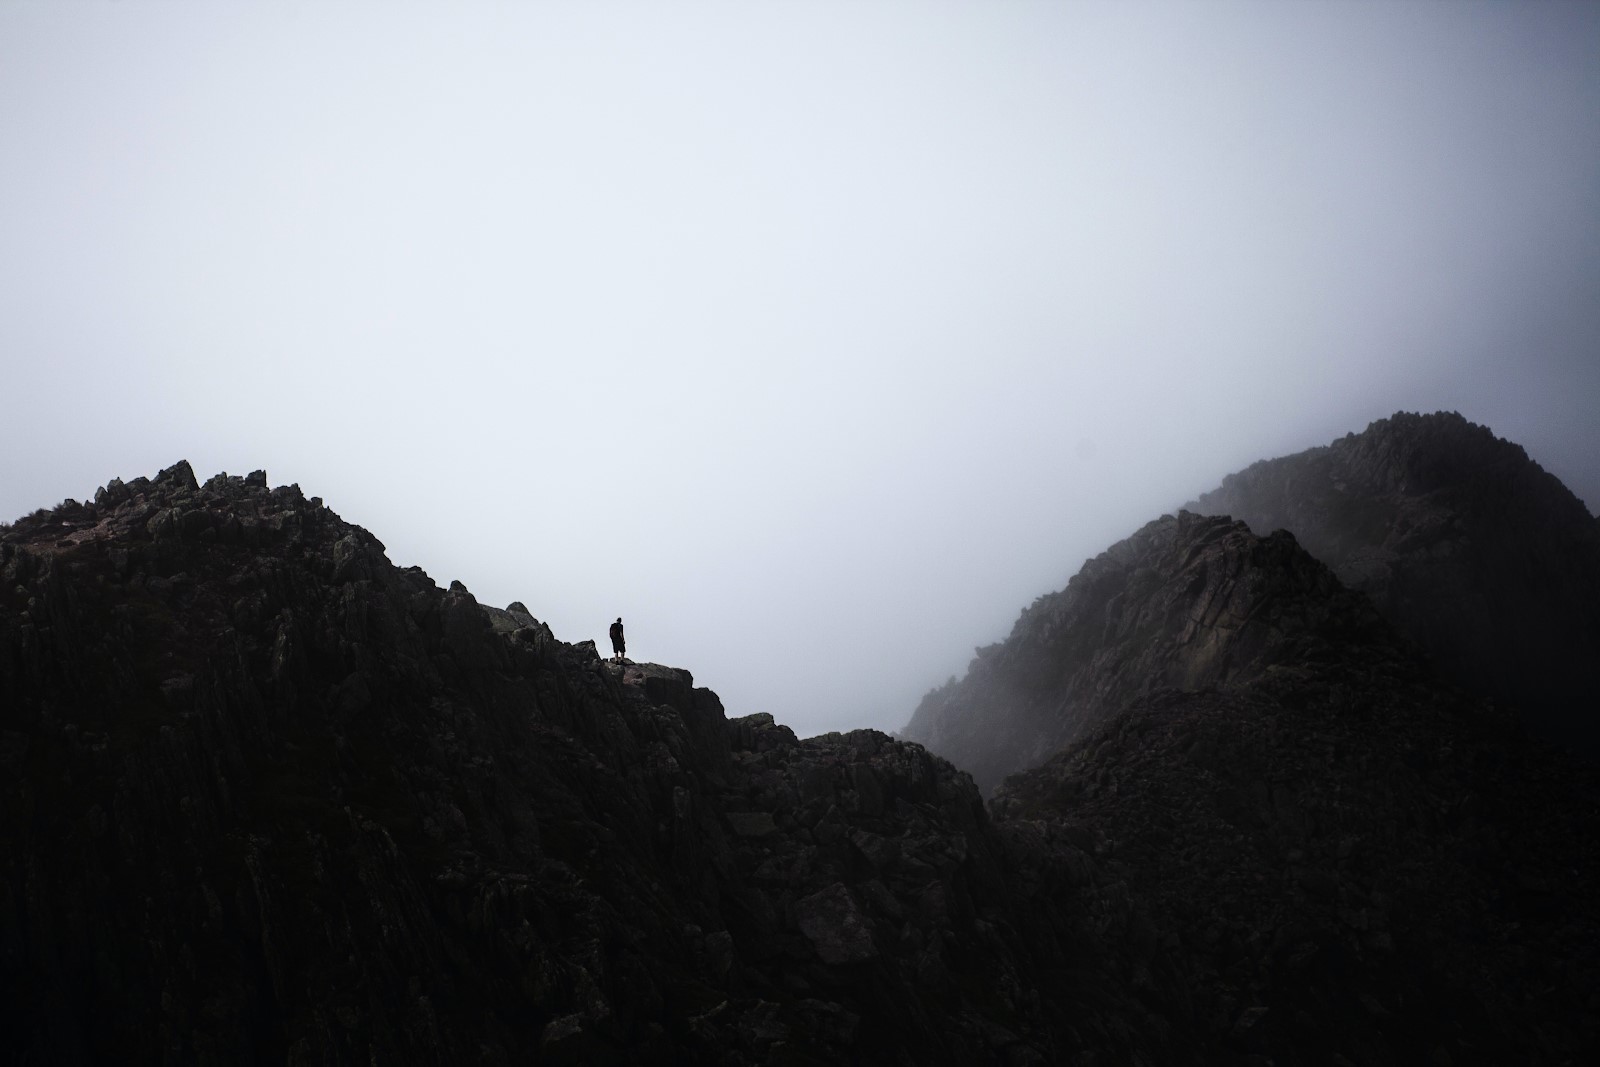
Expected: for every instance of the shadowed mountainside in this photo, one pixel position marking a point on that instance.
(268, 798)
(1333, 856)
(1186, 602)
(1337, 863)
(1469, 547)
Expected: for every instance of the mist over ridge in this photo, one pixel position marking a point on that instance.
(813, 343)
(1173, 423)
(1424, 530)
(390, 822)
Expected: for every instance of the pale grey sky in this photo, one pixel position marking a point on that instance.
(814, 339)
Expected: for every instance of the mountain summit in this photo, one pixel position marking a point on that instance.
(1480, 559)
(1465, 544)
(1187, 602)
(268, 798)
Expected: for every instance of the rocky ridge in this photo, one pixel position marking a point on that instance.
(270, 798)
(1464, 543)
(1187, 602)
(1265, 805)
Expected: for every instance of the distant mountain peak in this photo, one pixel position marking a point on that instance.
(1485, 565)
(265, 796)
(1463, 542)
(1188, 601)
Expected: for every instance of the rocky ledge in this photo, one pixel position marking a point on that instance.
(269, 798)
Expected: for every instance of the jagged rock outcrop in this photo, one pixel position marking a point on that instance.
(1464, 543)
(269, 798)
(1188, 602)
(1281, 838)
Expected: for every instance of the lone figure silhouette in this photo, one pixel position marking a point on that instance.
(617, 645)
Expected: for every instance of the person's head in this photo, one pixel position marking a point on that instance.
(619, 620)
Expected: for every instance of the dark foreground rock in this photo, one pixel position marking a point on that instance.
(269, 798)
(1335, 864)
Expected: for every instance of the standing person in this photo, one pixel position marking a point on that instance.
(617, 645)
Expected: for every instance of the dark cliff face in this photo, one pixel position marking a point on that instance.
(1464, 543)
(1272, 824)
(269, 798)
(1186, 602)
(1336, 863)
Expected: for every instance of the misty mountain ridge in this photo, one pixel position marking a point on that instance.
(1467, 545)
(270, 798)
(1487, 564)
(1187, 602)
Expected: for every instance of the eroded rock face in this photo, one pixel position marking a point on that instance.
(268, 798)
(1277, 834)
(1464, 543)
(265, 797)
(1188, 601)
